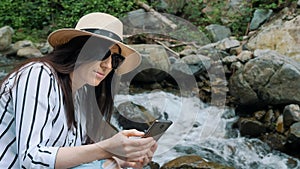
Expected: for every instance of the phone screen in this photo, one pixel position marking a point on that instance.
(157, 129)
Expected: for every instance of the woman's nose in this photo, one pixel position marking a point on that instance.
(106, 63)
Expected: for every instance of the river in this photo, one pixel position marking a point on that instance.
(7, 63)
(206, 131)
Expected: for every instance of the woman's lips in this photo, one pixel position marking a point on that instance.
(99, 75)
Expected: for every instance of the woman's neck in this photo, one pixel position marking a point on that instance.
(75, 84)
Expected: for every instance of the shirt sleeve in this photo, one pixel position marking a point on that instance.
(35, 100)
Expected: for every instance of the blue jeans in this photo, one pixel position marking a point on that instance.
(98, 164)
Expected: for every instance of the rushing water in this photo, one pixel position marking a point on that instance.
(205, 131)
(7, 64)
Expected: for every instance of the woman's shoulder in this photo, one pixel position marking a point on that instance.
(37, 67)
(32, 70)
(33, 73)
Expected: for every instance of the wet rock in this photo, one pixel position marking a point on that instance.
(293, 139)
(130, 115)
(192, 162)
(152, 165)
(250, 127)
(275, 140)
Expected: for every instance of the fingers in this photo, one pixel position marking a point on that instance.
(131, 150)
(145, 156)
(154, 147)
(140, 144)
(145, 149)
(133, 132)
(141, 160)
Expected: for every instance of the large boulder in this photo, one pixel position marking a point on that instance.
(155, 63)
(281, 36)
(268, 79)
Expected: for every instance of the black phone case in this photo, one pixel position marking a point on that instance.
(157, 129)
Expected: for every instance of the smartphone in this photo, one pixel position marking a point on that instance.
(158, 128)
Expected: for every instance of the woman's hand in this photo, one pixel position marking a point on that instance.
(128, 149)
(138, 163)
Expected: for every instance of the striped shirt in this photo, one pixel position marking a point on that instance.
(33, 123)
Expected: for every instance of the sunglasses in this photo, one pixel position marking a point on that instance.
(116, 59)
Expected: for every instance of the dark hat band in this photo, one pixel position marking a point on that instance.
(104, 33)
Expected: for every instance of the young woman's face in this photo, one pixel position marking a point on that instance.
(94, 72)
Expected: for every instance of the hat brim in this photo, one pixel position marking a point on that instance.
(63, 36)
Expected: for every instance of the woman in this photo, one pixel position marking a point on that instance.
(40, 125)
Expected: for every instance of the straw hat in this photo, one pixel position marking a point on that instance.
(100, 25)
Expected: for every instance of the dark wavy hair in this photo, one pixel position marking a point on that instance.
(65, 58)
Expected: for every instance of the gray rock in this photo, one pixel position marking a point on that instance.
(6, 34)
(131, 115)
(291, 114)
(245, 56)
(250, 127)
(29, 52)
(155, 63)
(22, 44)
(229, 59)
(295, 130)
(281, 36)
(270, 78)
(259, 17)
(141, 22)
(293, 139)
(197, 63)
(218, 32)
(228, 43)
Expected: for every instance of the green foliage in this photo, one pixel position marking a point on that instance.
(266, 4)
(203, 13)
(35, 19)
(217, 13)
(193, 12)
